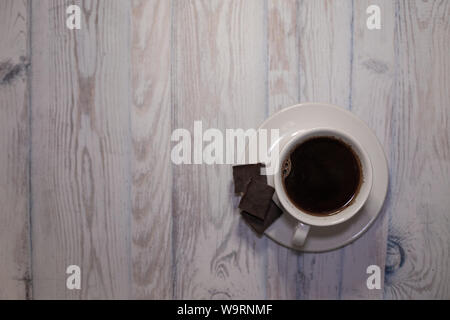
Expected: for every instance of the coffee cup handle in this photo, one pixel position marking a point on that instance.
(300, 234)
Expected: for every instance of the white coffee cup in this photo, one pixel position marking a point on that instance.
(305, 220)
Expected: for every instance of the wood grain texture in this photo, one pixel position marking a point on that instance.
(15, 272)
(372, 97)
(283, 90)
(219, 79)
(295, 32)
(418, 258)
(151, 164)
(86, 118)
(325, 54)
(80, 146)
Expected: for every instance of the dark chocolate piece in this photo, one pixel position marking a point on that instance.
(258, 225)
(243, 173)
(272, 214)
(256, 199)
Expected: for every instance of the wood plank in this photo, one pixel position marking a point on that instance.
(15, 270)
(325, 76)
(151, 167)
(218, 78)
(418, 248)
(370, 50)
(81, 142)
(373, 80)
(284, 83)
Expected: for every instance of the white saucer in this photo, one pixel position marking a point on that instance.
(312, 115)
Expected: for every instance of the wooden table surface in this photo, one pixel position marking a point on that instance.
(86, 118)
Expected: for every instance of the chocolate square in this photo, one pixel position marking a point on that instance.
(272, 214)
(256, 199)
(243, 173)
(258, 225)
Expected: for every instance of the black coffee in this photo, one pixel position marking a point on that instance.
(322, 175)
